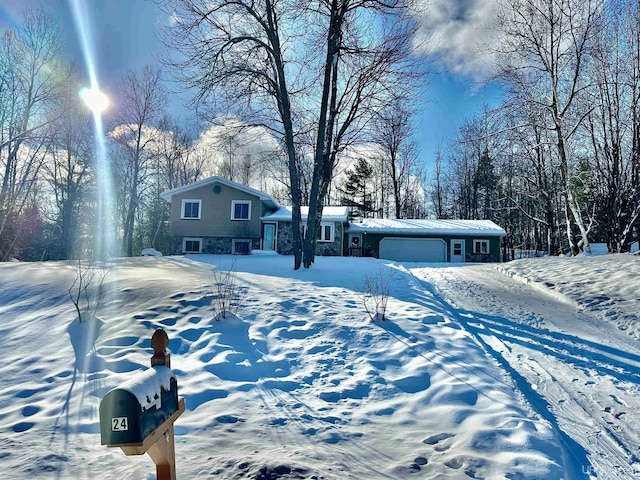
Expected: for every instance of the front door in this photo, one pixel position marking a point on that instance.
(457, 251)
(355, 245)
(269, 236)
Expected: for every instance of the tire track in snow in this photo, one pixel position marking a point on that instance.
(612, 452)
(570, 349)
(501, 337)
(574, 455)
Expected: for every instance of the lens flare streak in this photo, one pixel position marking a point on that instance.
(104, 235)
(105, 232)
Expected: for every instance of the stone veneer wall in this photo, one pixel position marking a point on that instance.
(285, 241)
(215, 245)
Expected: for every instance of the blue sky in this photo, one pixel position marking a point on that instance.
(124, 36)
(449, 99)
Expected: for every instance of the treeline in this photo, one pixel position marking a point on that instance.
(558, 163)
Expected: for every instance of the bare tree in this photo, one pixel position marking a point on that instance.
(565, 146)
(375, 294)
(142, 105)
(232, 51)
(537, 191)
(393, 132)
(474, 144)
(250, 57)
(88, 289)
(30, 78)
(179, 161)
(359, 71)
(229, 143)
(243, 153)
(628, 59)
(228, 295)
(613, 104)
(438, 191)
(632, 47)
(68, 170)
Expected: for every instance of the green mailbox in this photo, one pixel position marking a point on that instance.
(132, 411)
(138, 416)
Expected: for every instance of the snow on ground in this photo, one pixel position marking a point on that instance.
(568, 333)
(476, 374)
(605, 285)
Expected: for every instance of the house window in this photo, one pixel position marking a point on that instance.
(191, 245)
(191, 209)
(325, 234)
(481, 246)
(241, 247)
(240, 210)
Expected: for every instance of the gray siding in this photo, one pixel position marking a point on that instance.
(215, 216)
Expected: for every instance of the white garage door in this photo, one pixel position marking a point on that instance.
(413, 249)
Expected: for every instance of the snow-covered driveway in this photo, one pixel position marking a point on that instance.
(567, 354)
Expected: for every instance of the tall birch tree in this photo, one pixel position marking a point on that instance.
(544, 53)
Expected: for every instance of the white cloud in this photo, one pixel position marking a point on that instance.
(240, 152)
(457, 33)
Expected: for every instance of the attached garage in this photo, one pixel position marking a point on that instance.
(413, 249)
(421, 240)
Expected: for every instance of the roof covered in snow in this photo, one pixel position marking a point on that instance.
(329, 214)
(431, 227)
(268, 199)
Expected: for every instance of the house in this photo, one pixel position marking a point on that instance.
(220, 216)
(217, 215)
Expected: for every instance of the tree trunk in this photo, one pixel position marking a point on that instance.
(572, 204)
(284, 108)
(322, 168)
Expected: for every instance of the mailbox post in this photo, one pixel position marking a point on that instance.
(138, 416)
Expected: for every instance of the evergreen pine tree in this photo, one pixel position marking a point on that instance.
(356, 190)
(485, 183)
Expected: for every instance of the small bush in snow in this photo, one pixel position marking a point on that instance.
(88, 289)
(375, 294)
(227, 294)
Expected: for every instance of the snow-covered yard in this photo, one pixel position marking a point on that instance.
(522, 370)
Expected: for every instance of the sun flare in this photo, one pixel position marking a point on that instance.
(94, 99)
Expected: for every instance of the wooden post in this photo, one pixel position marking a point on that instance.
(159, 343)
(163, 451)
(160, 446)
(163, 454)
